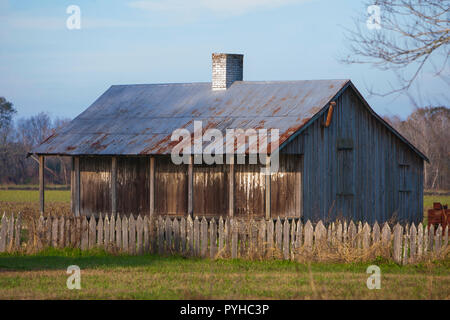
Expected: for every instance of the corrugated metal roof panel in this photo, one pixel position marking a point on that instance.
(140, 119)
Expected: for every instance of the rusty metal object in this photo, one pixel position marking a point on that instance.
(440, 214)
(330, 114)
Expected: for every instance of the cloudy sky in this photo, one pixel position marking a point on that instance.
(44, 66)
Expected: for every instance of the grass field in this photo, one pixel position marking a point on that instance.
(103, 276)
(43, 276)
(33, 195)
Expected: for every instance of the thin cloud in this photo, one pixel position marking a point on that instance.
(220, 7)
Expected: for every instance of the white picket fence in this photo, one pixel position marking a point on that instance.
(234, 238)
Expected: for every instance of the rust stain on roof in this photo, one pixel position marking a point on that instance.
(140, 119)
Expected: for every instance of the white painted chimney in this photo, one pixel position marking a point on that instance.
(226, 68)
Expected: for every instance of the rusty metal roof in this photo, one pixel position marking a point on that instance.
(140, 119)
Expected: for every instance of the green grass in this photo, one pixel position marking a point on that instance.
(33, 195)
(104, 276)
(34, 187)
(428, 200)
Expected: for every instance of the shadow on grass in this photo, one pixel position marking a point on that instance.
(53, 259)
(57, 259)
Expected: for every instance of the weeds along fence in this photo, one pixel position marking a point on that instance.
(227, 238)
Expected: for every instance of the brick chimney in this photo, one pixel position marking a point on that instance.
(226, 68)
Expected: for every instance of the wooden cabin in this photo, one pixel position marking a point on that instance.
(338, 158)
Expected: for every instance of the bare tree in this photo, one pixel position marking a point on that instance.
(429, 130)
(411, 33)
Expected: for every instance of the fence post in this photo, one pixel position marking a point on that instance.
(366, 236)
(176, 235)
(160, 233)
(204, 237)
(299, 235)
(84, 233)
(213, 238)
(183, 235)
(376, 233)
(398, 234)
(437, 239)
(286, 229)
(139, 231)
(196, 237)
(309, 233)
(221, 235)
(55, 232)
(405, 246)
(234, 238)
(132, 234)
(352, 234)
(420, 241)
(146, 239)
(112, 230)
(3, 231)
(446, 237)
(292, 243)
(106, 230)
(386, 234)
(270, 231)
(320, 234)
(190, 235)
(100, 231)
(338, 233)
(78, 232)
(345, 233)
(278, 235)
(413, 245)
(262, 238)
(118, 231)
(17, 232)
(92, 232)
(39, 233)
(430, 238)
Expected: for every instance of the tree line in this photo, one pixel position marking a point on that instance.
(18, 137)
(426, 128)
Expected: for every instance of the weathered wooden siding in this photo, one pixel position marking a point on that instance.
(249, 189)
(357, 169)
(95, 180)
(210, 190)
(285, 187)
(133, 185)
(171, 187)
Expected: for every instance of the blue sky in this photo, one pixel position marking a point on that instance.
(46, 67)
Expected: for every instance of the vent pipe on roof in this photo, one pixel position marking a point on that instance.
(226, 69)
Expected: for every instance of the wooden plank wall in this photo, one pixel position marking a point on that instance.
(285, 187)
(95, 180)
(171, 187)
(375, 166)
(249, 190)
(133, 185)
(211, 190)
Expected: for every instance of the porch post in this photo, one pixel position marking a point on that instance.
(231, 186)
(191, 186)
(77, 186)
(114, 185)
(41, 183)
(267, 180)
(152, 186)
